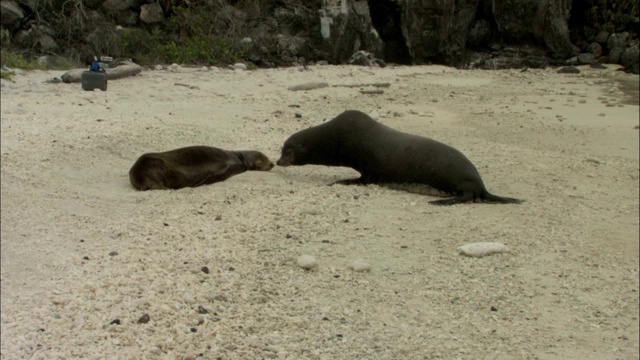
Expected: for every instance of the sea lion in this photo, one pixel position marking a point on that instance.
(193, 166)
(384, 155)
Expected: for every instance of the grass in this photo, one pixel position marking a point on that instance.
(14, 60)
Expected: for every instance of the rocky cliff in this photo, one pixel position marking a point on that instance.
(488, 34)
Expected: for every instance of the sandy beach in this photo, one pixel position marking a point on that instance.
(94, 269)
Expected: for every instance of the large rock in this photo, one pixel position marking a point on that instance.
(151, 13)
(545, 20)
(11, 15)
(38, 37)
(629, 58)
(346, 29)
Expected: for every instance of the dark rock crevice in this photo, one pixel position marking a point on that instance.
(385, 18)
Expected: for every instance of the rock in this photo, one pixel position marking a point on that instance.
(239, 66)
(545, 20)
(344, 30)
(614, 55)
(11, 15)
(151, 13)
(307, 262)
(597, 65)
(188, 298)
(360, 266)
(569, 70)
(436, 29)
(362, 58)
(595, 49)
(617, 41)
(585, 59)
(144, 319)
(602, 37)
(480, 34)
(630, 56)
(481, 249)
(217, 296)
(309, 86)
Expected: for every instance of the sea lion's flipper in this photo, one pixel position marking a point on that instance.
(469, 197)
(490, 198)
(216, 172)
(459, 199)
(358, 181)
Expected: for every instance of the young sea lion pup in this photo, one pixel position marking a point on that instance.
(384, 155)
(193, 166)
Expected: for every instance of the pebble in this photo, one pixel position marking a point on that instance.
(307, 262)
(360, 266)
(144, 319)
(188, 299)
(481, 249)
(218, 296)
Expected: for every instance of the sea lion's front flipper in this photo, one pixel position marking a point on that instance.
(216, 172)
(459, 199)
(358, 181)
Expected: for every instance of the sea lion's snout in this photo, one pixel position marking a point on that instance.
(283, 162)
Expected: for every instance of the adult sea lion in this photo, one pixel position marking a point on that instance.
(193, 166)
(384, 155)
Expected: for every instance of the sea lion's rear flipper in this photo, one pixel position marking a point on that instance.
(490, 198)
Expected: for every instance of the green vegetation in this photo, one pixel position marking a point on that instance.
(189, 37)
(14, 60)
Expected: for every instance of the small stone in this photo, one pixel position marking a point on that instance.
(493, 308)
(144, 319)
(113, 253)
(218, 218)
(188, 299)
(307, 262)
(205, 269)
(360, 266)
(481, 249)
(219, 296)
(115, 322)
(202, 310)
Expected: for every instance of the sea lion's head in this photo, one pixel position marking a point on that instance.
(255, 160)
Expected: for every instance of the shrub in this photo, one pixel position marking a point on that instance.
(186, 38)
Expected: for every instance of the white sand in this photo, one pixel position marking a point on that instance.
(567, 290)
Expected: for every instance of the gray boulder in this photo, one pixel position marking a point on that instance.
(11, 15)
(151, 13)
(629, 58)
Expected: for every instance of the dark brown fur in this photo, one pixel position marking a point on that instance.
(384, 155)
(193, 166)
